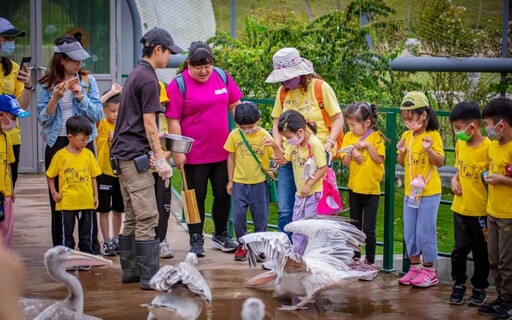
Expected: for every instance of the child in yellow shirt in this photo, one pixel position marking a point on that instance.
(247, 183)
(497, 115)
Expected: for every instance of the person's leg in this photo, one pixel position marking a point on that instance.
(478, 235)
(241, 197)
(7, 226)
(117, 212)
(411, 247)
(14, 166)
(371, 207)
(68, 226)
(163, 201)
(505, 258)
(356, 214)
(221, 205)
(306, 209)
(197, 179)
(286, 193)
(85, 231)
(259, 205)
(461, 249)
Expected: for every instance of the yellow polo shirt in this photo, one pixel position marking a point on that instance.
(499, 204)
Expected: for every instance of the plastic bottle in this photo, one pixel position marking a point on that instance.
(417, 186)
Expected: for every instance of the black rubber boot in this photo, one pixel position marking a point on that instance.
(148, 260)
(127, 258)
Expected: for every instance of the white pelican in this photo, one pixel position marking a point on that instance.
(184, 291)
(323, 266)
(56, 260)
(253, 309)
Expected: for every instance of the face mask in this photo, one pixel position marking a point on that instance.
(492, 134)
(292, 84)
(7, 48)
(249, 131)
(10, 126)
(295, 140)
(413, 126)
(462, 135)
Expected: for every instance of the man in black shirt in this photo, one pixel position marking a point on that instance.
(135, 136)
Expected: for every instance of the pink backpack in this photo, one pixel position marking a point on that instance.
(330, 203)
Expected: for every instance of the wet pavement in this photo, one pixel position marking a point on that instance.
(106, 297)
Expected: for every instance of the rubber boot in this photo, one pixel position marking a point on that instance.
(148, 260)
(127, 258)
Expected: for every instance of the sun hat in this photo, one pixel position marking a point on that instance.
(414, 100)
(73, 50)
(288, 64)
(159, 36)
(247, 113)
(8, 30)
(9, 103)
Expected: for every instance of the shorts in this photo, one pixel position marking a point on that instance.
(109, 194)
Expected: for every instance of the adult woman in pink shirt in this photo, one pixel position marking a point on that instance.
(201, 113)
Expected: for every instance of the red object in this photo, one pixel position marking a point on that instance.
(508, 170)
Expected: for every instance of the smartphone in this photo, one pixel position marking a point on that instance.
(25, 60)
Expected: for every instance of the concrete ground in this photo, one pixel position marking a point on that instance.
(108, 298)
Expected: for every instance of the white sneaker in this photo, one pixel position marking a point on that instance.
(165, 250)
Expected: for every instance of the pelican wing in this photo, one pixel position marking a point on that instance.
(185, 274)
(275, 245)
(57, 311)
(332, 240)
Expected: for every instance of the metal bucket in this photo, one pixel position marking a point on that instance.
(177, 143)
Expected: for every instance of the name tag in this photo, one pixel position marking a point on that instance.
(221, 91)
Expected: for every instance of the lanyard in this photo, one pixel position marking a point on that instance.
(410, 162)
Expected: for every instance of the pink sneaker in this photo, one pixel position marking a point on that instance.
(355, 265)
(372, 271)
(413, 272)
(427, 278)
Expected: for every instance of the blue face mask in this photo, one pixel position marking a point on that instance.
(7, 48)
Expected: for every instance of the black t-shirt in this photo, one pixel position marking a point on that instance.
(141, 94)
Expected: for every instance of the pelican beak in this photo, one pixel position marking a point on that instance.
(77, 258)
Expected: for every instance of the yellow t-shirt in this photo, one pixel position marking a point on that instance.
(299, 155)
(499, 204)
(103, 146)
(365, 178)
(11, 85)
(247, 170)
(6, 157)
(75, 172)
(470, 162)
(420, 162)
(306, 104)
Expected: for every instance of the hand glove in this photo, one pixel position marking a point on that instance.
(163, 168)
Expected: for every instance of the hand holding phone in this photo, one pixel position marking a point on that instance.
(25, 61)
(23, 73)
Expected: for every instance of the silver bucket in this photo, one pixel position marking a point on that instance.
(177, 143)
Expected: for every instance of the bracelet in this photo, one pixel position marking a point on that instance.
(331, 141)
(29, 88)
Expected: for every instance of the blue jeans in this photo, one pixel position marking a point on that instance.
(254, 197)
(420, 232)
(286, 195)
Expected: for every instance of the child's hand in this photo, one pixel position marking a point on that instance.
(401, 146)
(361, 145)
(56, 197)
(76, 89)
(116, 88)
(306, 188)
(269, 142)
(493, 178)
(13, 195)
(270, 174)
(229, 187)
(96, 202)
(59, 90)
(279, 160)
(426, 142)
(110, 135)
(456, 188)
(356, 156)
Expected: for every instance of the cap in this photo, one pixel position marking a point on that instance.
(8, 30)
(73, 50)
(10, 104)
(247, 113)
(414, 100)
(159, 36)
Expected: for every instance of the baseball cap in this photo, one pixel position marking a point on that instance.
(414, 100)
(159, 36)
(8, 30)
(73, 50)
(9, 103)
(247, 113)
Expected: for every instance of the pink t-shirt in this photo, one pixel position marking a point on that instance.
(203, 114)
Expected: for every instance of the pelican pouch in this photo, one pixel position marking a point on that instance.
(142, 163)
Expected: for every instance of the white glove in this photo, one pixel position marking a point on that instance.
(163, 168)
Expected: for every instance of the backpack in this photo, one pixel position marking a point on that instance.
(319, 98)
(183, 87)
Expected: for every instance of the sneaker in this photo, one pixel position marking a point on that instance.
(504, 312)
(355, 265)
(477, 297)
(426, 278)
(83, 268)
(196, 244)
(115, 244)
(457, 296)
(223, 242)
(368, 267)
(491, 307)
(70, 268)
(240, 253)
(269, 265)
(413, 272)
(165, 250)
(107, 249)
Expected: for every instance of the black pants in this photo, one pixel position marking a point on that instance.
(163, 203)
(197, 178)
(86, 231)
(363, 209)
(56, 215)
(14, 166)
(469, 236)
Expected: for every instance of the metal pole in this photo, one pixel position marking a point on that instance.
(389, 191)
(233, 19)
(504, 44)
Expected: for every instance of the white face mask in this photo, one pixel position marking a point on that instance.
(251, 130)
(10, 126)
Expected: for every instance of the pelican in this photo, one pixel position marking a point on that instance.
(253, 309)
(56, 260)
(323, 266)
(184, 291)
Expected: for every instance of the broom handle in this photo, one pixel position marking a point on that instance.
(184, 178)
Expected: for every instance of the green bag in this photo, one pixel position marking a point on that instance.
(272, 185)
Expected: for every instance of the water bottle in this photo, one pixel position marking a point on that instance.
(417, 186)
